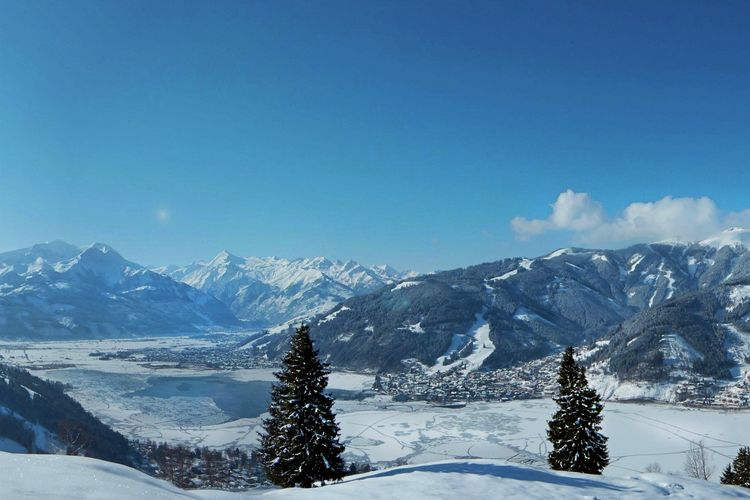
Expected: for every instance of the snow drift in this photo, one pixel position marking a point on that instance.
(63, 477)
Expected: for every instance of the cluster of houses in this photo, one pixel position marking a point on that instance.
(214, 358)
(736, 395)
(534, 379)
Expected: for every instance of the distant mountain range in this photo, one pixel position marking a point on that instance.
(663, 306)
(270, 291)
(58, 290)
(655, 312)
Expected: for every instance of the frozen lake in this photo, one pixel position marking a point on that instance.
(235, 398)
(217, 410)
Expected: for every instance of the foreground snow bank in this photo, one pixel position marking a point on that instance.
(62, 477)
(478, 479)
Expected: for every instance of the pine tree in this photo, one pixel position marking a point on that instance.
(727, 477)
(738, 472)
(300, 444)
(574, 431)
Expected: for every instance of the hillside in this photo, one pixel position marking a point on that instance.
(502, 313)
(36, 416)
(39, 476)
(56, 290)
(702, 336)
(269, 291)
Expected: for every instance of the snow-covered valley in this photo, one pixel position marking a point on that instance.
(375, 429)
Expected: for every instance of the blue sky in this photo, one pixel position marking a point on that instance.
(428, 135)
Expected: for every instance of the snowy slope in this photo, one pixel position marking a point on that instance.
(534, 306)
(63, 477)
(55, 290)
(69, 477)
(269, 291)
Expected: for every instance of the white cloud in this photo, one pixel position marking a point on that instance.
(685, 219)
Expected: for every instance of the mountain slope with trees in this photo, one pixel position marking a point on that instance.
(704, 334)
(39, 416)
(530, 307)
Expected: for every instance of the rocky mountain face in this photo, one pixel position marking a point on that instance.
(270, 291)
(521, 309)
(56, 290)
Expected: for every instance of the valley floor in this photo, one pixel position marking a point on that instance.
(377, 429)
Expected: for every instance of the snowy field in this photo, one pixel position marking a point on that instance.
(377, 429)
(77, 478)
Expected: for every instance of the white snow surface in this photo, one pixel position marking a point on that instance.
(380, 430)
(526, 264)
(599, 256)
(405, 284)
(634, 261)
(333, 315)
(481, 345)
(74, 478)
(734, 236)
(273, 290)
(558, 253)
(505, 276)
(738, 295)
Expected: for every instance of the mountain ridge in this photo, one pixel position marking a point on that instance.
(56, 290)
(533, 307)
(267, 291)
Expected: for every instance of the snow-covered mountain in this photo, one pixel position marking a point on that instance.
(661, 352)
(501, 313)
(59, 476)
(269, 291)
(57, 290)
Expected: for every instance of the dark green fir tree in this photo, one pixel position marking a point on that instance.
(575, 429)
(738, 472)
(300, 444)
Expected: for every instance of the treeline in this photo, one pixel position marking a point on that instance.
(44, 403)
(187, 467)
(380, 337)
(636, 347)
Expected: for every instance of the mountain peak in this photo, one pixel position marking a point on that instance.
(51, 251)
(272, 290)
(225, 258)
(101, 247)
(733, 236)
